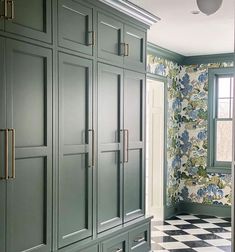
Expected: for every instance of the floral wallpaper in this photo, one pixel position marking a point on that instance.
(188, 179)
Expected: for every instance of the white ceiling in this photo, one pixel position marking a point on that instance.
(182, 32)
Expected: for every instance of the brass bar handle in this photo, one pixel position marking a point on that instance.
(139, 239)
(5, 9)
(93, 147)
(12, 5)
(126, 146)
(122, 49)
(91, 38)
(13, 176)
(127, 50)
(119, 250)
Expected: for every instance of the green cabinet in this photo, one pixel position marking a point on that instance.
(75, 29)
(117, 244)
(75, 149)
(121, 43)
(32, 19)
(28, 187)
(134, 172)
(109, 193)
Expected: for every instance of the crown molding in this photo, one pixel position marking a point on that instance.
(133, 10)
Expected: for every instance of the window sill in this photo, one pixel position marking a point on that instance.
(218, 169)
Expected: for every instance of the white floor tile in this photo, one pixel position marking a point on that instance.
(224, 235)
(219, 242)
(215, 220)
(206, 225)
(187, 217)
(166, 227)
(228, 228)
(208, 249)
(184, 238)
(158, 233)
(177, 222)
(195, 231)
(173, 245)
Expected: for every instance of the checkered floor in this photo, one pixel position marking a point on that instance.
(185, 233)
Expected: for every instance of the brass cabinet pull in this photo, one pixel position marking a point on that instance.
(122, 49)
(127, 49)
(12, 5)
(119, 250)
(126, 145)
(93, 147)
(13, 176)
(91, 38)
(5, 11)
(139, 239)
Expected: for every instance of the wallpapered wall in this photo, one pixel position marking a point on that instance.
(187, 122)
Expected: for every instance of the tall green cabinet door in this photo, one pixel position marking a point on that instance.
(110, 39)
(134, 176)
(2, 148)
(29, 112)
(75, 149)
(75, 26)
(135, 40)
(109, 193)
(31, 19)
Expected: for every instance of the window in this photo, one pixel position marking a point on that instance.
(220, 112)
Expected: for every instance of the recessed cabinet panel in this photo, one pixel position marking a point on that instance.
(133, 186)
(74, 199)
(28, 204)
(32, 19)
(75, 26)
(91, 249)
(75, 81)
(109, 103)
(29, 91)
(109, 190)
(116, 244)
(110, 32)
(133, 105)
(2, 144)
(135, 40)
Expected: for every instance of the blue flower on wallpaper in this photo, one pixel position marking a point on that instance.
(186, 144)
(193, 170)
(176, 163)
(187, 88)
(184, 193)
(177, 104)
(193, 114)
(203, 77)
(201, 192)
(202, 135)
(160, 70)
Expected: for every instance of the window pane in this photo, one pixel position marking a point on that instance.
(223, 108)
(224, 141)
(224, 87)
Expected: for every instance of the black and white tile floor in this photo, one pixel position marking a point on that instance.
(188, 233)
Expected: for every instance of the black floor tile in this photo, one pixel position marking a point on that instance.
(175, 232)
(197, 221)
(226, 224)
(196, 244)
(201, 216)
(186, 226)
(163, 239)
(207, 236)
(216, 230)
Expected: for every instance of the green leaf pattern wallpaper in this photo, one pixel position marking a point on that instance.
(188, 179)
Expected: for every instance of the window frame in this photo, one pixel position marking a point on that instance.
(212, 164)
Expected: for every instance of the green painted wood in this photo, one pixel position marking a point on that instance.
(118, 243)
(110, 37)
(139, 239)
(29, 111)
(2, 23)
(136, 41)
(32, 20)
(75, 173)
(90, 249)
(110, 144)
(2, 159)
(134, 170)
(75, 26)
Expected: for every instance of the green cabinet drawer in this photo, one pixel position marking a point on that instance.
(139, 239)
(90, 249)
(117, 244)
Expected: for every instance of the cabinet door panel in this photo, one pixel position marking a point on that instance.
(32, 19)
(29, 85)
(119, 243)
(109, 147)
(2, 152)
(75, 175)
(110, 37)
(134, 89)
(75, 26)
(136, 40)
